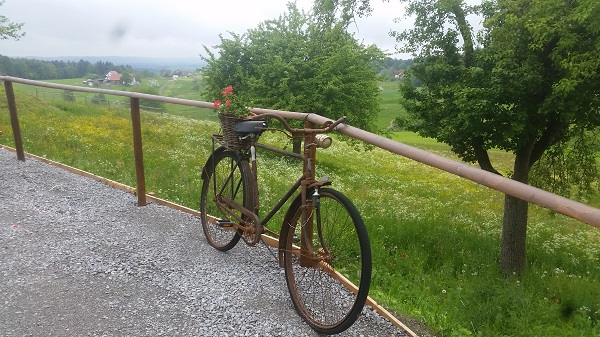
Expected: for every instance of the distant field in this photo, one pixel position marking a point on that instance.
(187, 88)
(390, 98)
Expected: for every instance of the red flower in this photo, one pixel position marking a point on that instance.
(227, 92)
(232, 104)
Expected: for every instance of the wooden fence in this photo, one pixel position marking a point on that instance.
(499, 183)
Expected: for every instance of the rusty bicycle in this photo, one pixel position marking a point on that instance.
(323, 242)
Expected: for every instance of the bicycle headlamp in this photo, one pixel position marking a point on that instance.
(323, 141)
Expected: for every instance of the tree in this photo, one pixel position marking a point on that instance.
(99, 99)
(298, 63)
(68, 96)
(83, 68)
(9, 30)
(530, 84)
(127, 78)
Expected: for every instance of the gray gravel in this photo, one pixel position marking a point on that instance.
(79, 258)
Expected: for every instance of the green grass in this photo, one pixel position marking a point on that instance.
(390, 101)
(435, 237)
(187, 88)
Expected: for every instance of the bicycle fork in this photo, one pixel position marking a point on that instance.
(313, 252)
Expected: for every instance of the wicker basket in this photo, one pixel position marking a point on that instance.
(231, 138)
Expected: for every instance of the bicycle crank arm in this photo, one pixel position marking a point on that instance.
(250, 225)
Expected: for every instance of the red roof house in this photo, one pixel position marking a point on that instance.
(113, 77)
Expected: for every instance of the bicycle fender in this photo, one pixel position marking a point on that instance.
(320, 183)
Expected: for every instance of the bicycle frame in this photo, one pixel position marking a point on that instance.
(305, 183)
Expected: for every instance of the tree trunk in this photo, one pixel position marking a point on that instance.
(514, 233)
(514, 224)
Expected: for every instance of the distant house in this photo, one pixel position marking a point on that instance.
(113, 77)
(399, 74)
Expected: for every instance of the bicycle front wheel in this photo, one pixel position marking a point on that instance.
(320, 278)
(225, 175)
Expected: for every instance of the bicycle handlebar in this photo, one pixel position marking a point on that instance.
(328, 126)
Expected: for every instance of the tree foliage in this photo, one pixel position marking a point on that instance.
(127, 78)
(57, 69)
(299, 63)
(68, 96)
(345, 10)
(9, 30)
(569, 167)
(528, 84)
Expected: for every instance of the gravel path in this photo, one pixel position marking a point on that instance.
(78, 258)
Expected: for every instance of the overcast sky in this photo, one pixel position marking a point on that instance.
(157, 28)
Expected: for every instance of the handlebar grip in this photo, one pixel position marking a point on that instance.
(331, 125)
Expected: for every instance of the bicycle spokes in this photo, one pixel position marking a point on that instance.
(333, 254)
(226, 177)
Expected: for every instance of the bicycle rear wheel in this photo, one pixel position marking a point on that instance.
(341, 250)
(224, 175)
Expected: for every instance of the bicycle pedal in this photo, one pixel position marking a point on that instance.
(225, 223)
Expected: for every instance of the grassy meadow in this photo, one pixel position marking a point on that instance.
(435, 237)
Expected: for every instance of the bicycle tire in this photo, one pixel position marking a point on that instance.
(322, 300)
(219, 167)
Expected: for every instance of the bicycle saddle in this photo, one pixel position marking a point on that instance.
(251, 127)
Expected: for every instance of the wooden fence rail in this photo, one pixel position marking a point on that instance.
(499, 183)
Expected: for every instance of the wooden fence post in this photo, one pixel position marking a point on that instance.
(14, 119)
(137, 150)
